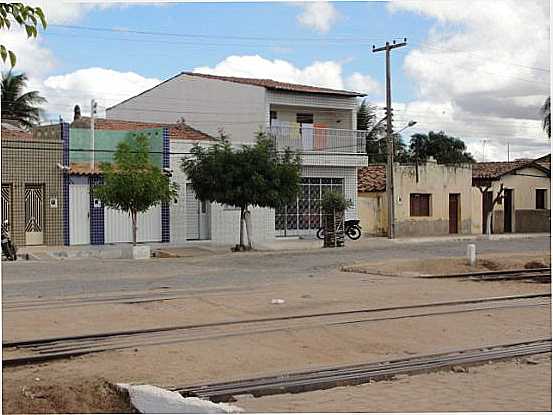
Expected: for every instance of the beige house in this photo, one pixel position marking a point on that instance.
(436, 199)
(431, 199)
(526, 205)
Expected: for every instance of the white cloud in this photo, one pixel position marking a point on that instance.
(487, 63)
(326, 74)
(79, 87)
(320, 16)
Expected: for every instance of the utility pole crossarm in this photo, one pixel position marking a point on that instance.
(388, 46)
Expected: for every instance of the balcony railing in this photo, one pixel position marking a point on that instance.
(318, 140)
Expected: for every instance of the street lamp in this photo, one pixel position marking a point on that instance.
(409, 124)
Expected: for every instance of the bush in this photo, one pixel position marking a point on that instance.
(334, 201)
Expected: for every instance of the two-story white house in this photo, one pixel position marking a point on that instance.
(317, 122)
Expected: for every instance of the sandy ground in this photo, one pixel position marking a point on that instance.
(442, 266)
(290, 350)
(521, 385)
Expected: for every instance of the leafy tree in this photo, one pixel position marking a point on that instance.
(133, 183)
(23, 15)
(251, 175)
(546, 112)
(23, 108)
(443, 148)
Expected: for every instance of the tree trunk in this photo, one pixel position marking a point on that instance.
(242, 210)
(248, 223)
(134, 227)
(489, 223)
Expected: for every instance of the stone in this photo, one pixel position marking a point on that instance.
(135, 252)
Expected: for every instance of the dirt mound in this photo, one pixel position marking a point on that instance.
(89, 396)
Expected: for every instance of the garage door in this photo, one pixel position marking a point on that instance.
(118, 226)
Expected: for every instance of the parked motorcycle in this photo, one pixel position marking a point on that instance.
(8, 247)
(351, 228)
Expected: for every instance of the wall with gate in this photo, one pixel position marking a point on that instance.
(32, 163)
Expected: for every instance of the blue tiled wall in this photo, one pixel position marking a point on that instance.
(96, 214)
(165, 214)
(64, 128)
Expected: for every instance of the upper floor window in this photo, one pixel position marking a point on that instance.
(540, 198)
(419, 204)
(304, 118)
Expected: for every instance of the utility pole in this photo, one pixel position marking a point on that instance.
(390, 140)
(93, 109)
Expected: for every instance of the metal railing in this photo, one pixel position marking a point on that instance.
(318, 140)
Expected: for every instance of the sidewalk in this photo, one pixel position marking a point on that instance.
(207, 248)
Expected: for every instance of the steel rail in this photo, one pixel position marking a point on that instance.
(56, 350)
(486, 273)
(131, 341)
(34, 342)
(362, 373)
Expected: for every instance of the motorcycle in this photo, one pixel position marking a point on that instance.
(351, 228)
(8, 247)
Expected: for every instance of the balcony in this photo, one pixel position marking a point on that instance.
(318, 140)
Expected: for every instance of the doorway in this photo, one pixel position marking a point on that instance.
(508, 210)
(487, 199)
(197, 217)
(34, 209)
(79, 213)
(454, 207)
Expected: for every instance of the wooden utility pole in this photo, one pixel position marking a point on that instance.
(389, 135)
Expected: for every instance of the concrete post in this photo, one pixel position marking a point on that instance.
(471, 254)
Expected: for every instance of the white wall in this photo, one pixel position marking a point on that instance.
(205, 104)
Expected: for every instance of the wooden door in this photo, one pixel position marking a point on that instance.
(487, 199)
(454, 212)
(508, 210)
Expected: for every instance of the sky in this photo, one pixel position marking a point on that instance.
(477, 70)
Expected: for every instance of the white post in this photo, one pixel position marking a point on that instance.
(471, 254)
(93, 106)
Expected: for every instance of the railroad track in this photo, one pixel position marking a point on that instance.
(331, 377)
(536, 275)
(64, 347)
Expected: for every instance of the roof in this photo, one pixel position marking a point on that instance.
(496, 169)
(82, 169)
(10, 131)
(371, 178)
(176, 131)
(283, 86)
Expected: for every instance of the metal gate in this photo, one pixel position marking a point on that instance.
(197, 216)
(79, 214)
(34, 204)
(118, 226)
(6, 203)
(304, 215)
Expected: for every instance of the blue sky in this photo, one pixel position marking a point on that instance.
(478, 70)
(163, 56)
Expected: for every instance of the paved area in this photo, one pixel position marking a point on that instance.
(92, 276)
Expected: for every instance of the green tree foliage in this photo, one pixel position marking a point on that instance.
(26, 16)
(132, 183)
(443, 148)
(23, 108)
(546, 112)
(251, 175)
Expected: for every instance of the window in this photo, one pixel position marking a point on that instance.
(273, 116)
(419, 204)
(304, 118)
(540, 198)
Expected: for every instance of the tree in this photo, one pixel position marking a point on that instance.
(443, 148)
(546, 112)
(23, 108)
(488, 210)
(334, 204)
(26, 16)
(251, 175)
(133, 183)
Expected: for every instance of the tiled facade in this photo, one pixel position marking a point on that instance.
(34, 164)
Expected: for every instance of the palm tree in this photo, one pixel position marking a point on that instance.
(546, 111)
(22, 108)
